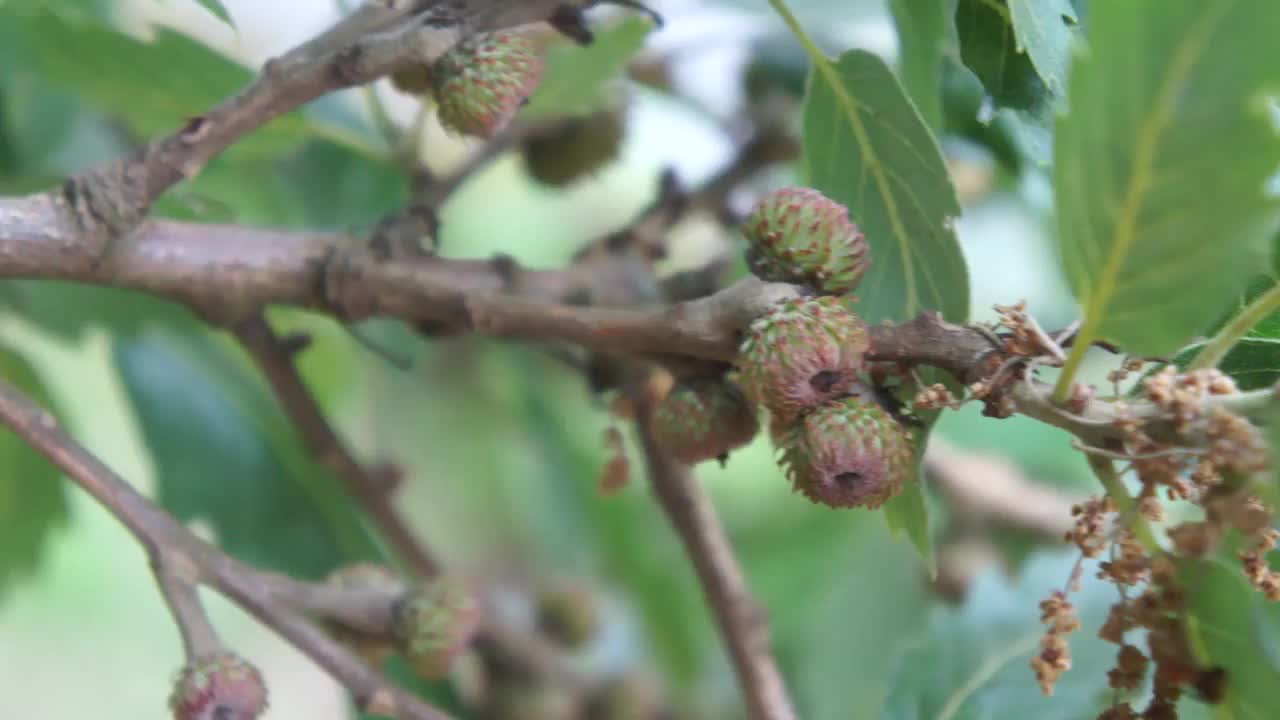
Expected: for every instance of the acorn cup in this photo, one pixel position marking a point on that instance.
(799, 235)
(704, 419)
(848, 453)
(801, 354)
(482, 82)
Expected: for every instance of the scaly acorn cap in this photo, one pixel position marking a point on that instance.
(848, 453)
(703, 419)
(482, 82)
(800, 354)
(364, 576)
(218, 687)
(797, 234)
(434, 623)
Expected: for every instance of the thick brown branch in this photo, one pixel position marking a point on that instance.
(369, 44)
(742, 622)
(190, 559)
(230, 273)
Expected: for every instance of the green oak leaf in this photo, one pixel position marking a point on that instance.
(576, 76)
(1162, 212)
(867, 147)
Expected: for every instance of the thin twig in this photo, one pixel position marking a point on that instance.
(742, 622)
(181, 595)
(1117, 455)
(276, 362)
(191, 557)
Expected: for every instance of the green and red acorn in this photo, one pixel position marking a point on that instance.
(704, 419)
(221, 686)
(801, 354)
(482, 82)
(797, 234)
(434, 623)
(848, 453)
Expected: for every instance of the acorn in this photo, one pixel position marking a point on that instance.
(848, 453)
(364, 576)
(412, 80)
(631, 696)
(569, 614)
(797, 234)
(482, 82)
(434, 623)
(529, 700)
(220, 686)
(575, 148)
(704, 419)
(801, 354)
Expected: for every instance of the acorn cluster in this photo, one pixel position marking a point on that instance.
(805, 362)
(432, 622)
(479, 84)
(805, 359)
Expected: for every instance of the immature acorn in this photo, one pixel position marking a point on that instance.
(632, 696)
(434, 623)
(218, 687)
(569, 614)
(364, 576)
(704, 419)
(798, 234)
(848, 453)
(412, 80)
(482, 82)
(575, 148)
(800, 354)
(526, 700)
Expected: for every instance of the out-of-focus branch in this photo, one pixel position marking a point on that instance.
(182, 560)
(742, 622)
(230, 273)
(993, 490)
(275, 359)
(380, 38)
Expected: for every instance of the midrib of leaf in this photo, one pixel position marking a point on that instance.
(823, 64)
(1124, 235)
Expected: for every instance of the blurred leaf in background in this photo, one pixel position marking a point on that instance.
(576, 76)
(33, 500)
(226, 454)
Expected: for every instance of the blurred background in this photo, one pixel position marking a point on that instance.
(501, 444)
